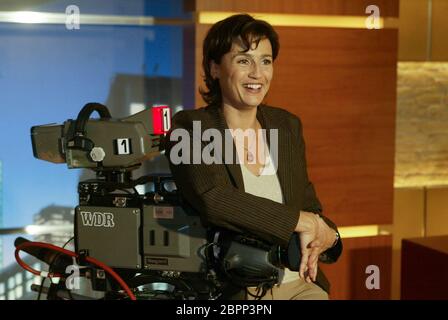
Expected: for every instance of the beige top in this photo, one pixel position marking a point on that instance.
(266, 185)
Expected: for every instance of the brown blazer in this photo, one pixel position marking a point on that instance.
(216, 191)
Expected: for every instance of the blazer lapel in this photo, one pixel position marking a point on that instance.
(268, 122)
(218, 121)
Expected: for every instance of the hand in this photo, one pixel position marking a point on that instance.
(315, 237)
(325, 239)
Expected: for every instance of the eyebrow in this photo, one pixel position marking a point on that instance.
(249, 55)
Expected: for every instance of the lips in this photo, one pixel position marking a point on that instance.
(253, 86)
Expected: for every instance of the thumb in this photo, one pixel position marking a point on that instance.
(315, 244)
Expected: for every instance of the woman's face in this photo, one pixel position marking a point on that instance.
(245, 77)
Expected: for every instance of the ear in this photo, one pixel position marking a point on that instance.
(214, 70)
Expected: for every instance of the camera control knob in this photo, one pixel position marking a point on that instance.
(97, 154)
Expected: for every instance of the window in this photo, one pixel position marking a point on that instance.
(19, 279)
(19, 292)
(11, 283)
(115, 64)
(11, 295)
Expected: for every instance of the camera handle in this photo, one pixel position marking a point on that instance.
(77, 139)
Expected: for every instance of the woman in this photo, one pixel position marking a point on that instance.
(241, 195)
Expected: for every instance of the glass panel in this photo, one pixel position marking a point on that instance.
(48, 72)
(156, 8)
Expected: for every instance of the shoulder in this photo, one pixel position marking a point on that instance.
(190, 114)
(282, 117)
(185, 118)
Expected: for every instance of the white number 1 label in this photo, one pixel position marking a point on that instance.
(166, 119)
(123, 146)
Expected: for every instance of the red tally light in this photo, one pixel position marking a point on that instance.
(161, 119)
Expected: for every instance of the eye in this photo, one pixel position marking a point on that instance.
(267, 61)
(243, 61)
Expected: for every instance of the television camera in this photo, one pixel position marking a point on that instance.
(130, 245)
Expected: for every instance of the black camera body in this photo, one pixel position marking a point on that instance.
(157, 235)
(139, 232)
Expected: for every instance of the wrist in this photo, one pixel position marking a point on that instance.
(337, 236)
(307, 222)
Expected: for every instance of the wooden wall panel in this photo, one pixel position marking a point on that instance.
(436, 214)
(409, 222)
(348, 276)
(439, 48)
(415, 27)
(388, 8)
(342, 83)
(413, 40)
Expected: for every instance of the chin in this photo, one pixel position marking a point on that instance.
(246, 105)
(252, 102)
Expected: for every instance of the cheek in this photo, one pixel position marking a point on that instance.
(234, 80)
(268, 78)
(229, 87)
(269, 74)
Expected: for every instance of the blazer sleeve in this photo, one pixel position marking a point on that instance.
(312, 204)
(207, 188)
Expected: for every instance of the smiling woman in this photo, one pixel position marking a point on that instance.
(242, 48)
(271, 205)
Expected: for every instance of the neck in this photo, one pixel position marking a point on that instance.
(240, 118)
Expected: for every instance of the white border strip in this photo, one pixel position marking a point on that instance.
(32, 17)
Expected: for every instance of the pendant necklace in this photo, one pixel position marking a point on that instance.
(250, 157)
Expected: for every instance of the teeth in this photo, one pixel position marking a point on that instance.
(253, 86)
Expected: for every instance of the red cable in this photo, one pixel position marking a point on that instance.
(71, 254)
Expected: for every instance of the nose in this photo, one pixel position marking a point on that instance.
(255, 70)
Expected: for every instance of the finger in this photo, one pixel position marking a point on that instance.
(314, 256)
(308, 277)
(315, 246)
(303, 266)
(303, 263)
(312, 272)
(312, 262)
(311, 267)
(315, 272)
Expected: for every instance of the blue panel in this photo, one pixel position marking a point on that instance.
(157, 8)
(47, 73)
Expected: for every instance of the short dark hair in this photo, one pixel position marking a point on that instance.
(219, 40)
